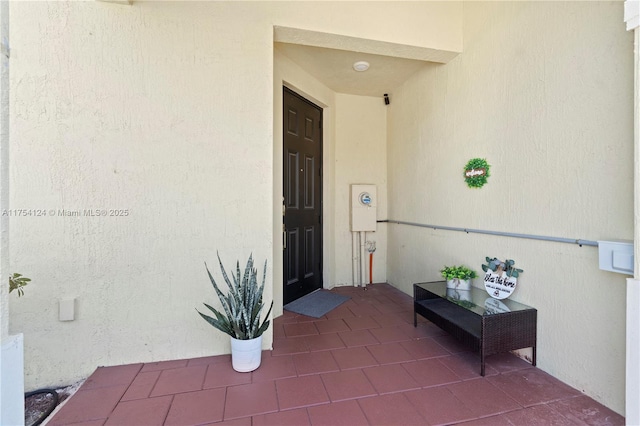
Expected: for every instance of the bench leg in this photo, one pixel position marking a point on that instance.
(534, 357)
(482, 365)
(415, 319)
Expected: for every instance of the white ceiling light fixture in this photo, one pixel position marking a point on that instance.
(361, 66)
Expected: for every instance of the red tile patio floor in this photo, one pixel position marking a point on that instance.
(363, 363)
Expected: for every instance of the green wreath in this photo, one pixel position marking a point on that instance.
(476, 172)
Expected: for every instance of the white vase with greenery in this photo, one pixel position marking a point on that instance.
(458, 277)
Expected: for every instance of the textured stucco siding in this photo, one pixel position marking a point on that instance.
(361, 157)
(170, 112)
(4, 177)
(136, 109)
(544, 92)
(164, 110)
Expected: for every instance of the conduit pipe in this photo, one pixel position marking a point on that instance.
(579, 242)
(355, 264)
(371, 247)
(363, 259)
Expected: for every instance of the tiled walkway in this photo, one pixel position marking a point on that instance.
(362, 364)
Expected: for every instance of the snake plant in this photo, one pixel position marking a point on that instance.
(242, 304)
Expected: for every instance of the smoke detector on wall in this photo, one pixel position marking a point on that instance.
(361, 66)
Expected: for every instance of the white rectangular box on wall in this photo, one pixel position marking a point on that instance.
(364, 202)
(12, 383)
(67, 309)
(616, 256)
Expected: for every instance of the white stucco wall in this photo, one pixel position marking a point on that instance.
(632, 412)
(361, 157)
(4, 175)
(11, 346)
(133, 108)
(435, 25)
(164, 110)
(543, 91)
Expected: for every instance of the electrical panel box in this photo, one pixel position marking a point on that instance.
(616, 256)
(364, 202)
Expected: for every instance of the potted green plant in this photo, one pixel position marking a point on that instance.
(240, 317)
(498, 266)
(18, 282)
(458, 277)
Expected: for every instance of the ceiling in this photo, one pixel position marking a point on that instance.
(334, 68)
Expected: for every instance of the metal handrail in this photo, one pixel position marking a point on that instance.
(579, 242)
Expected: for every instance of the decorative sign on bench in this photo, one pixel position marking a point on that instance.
(499, 286)
(500, 278)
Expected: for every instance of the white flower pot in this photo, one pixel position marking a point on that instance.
(246, 355)
(459, 284)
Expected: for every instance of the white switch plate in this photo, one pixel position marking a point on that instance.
(67, 309)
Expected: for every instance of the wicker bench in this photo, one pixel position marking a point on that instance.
(488, 326)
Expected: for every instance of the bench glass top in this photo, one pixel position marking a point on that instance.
(475, 300)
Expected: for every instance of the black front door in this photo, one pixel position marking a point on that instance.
(302, 189)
